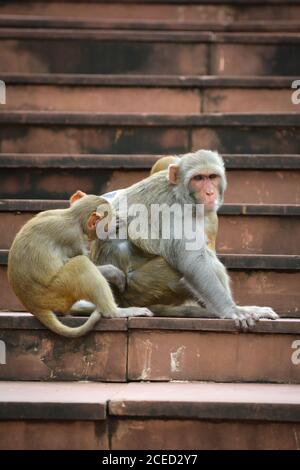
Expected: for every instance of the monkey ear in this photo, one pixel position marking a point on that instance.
(78, 195)
(93, 219)
(173, 173)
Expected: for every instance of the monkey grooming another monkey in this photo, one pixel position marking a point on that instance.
(49, 270)
(154, 267)
(151, 281)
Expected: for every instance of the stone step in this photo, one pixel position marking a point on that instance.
(271, 280)
(167, 10)
(242, 228)
(139, 162)
(148, 94)
(205, 350)
(149, 416)
(42, 21)
(245, 186)
(42, 50)
(42, 355)
(206, 416)
(61, 416)
(151, 349)
(57, 132)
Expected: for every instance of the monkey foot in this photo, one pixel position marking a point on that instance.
(113, 275)
(134, 312)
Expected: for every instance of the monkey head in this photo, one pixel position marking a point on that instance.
(199, 178)
(96, 209)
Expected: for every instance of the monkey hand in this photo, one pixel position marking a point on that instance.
(114, 275)
(259, 312)
(245, 317)
(242, 320)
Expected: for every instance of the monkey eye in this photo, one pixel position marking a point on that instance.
(198, 177)
(213, 176)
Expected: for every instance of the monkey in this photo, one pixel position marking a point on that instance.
(162, 164)
(152, 279)
(191, 180)
(155, 273)
(49, 269)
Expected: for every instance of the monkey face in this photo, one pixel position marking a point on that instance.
(205, 187)
(199, 177)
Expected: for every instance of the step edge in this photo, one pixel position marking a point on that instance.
(148, 119)
(140, 80)
(242, 209)
(26, 321)
(194, 410)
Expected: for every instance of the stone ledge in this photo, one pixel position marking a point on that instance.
(88, 401)
(26, 321)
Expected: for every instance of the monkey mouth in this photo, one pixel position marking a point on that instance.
(210, 206)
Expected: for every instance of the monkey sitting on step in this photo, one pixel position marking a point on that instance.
(154, 268)
(49, 270)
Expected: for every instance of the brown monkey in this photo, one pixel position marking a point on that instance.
(195, 178)
(151, 281)
(49, 270)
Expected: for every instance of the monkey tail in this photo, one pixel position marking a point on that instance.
(50, 320)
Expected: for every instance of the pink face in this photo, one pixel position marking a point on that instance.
(206, 187)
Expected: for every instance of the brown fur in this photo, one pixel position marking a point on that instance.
(49, 270)
(163, 273)
(151, 281)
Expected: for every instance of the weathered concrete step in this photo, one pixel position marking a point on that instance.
(42, 355)
(271, 280)
(57, 416)
(208, 11)
(25, 50)
(56, 132)
(149, 81)
(245, 186)
(188, 416)
(149, 416)
(41, 21)
(58, 176)
(153, 94)
(242, 228)
(164, 349)
(155, 349)
(140, 162)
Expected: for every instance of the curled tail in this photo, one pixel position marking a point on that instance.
(50, 320)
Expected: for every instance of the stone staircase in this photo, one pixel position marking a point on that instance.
(95, 92)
